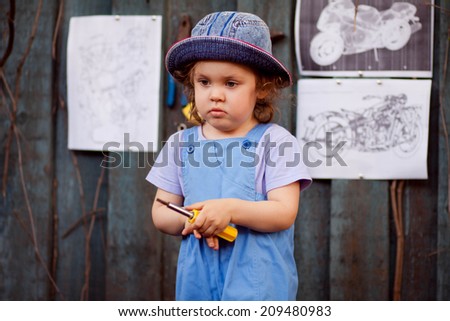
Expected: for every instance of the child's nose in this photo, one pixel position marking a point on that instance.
(216, 94)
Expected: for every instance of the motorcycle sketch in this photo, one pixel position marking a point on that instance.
(386, 125)
(346, 30)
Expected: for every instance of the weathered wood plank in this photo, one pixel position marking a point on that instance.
(420, 223)
(133, 245)
(426, 219)
(443, 215)
(420, 202)
(312, 242)
(359, 240)
(23, 275)
(70, 201)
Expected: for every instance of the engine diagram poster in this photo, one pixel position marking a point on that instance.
(113, 79)
(364, 128)
(378, 38)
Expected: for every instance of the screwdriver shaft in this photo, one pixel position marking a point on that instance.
(176, 208)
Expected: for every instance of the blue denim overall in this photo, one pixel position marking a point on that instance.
(256, 266)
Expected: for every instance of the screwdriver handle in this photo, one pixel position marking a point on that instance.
(229, 234)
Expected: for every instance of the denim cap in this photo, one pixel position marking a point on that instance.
(236, 37)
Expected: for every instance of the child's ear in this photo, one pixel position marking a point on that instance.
(262, 92)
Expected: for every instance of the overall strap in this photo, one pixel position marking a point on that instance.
(191, 133)
(255, 134)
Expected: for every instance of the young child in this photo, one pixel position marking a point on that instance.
(235, 167)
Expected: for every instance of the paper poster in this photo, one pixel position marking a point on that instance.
(113, 79)
(364, 128)
(379, 38)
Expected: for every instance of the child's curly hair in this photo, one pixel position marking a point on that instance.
(264, 108)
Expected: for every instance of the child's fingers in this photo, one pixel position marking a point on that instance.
(199, 223)
(189, 230)
(194, 206)
(210, 231)
(197, 235)
(213, 242)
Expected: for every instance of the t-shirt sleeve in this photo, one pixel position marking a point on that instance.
(165, 172)
(283, 160)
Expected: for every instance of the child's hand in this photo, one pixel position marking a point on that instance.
(214, 217)
(212, 241)
(188, 229)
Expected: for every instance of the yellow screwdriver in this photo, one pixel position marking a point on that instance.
(229, 234)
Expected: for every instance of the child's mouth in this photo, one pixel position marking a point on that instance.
(217, 112)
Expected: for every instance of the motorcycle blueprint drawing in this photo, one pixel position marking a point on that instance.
(340, 34)
(387, 125)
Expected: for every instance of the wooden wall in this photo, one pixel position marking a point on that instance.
(70, 230)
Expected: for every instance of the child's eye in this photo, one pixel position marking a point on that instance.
(203, 82)
(231, 84)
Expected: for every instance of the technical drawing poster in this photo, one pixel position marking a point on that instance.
(113, 79)
(364, 128)
(380, 38)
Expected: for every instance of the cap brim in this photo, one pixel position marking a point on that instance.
(224, 49)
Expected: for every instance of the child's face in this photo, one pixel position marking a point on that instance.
(225, 96)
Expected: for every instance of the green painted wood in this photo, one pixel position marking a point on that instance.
(359, 240)
(23, 276)
(71, 257)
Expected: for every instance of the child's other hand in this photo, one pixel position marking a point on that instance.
(214, 216)
(188, 229)
(212, 241)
